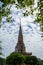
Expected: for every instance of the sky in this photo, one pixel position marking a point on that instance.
(31, 33)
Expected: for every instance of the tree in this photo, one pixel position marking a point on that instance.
(0, 48)
(2, 61)
(15, 58)
(39, 14)
(40, 62)
(31, 60)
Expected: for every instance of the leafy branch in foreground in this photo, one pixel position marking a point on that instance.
(4, 11)
(0, 48)
(39, 15)
(20, 4)
(23, 4)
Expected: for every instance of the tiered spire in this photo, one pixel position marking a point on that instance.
(20, 47)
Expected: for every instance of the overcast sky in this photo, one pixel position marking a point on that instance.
(31, 34)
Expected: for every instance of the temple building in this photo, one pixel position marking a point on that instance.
(20, 47)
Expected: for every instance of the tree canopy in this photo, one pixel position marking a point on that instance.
(39, 15)
(20, 59)
(24, 4)
(15, 58)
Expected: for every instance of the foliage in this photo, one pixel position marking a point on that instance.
(0, 48)
(18, 59)
(4, 11)
(24, 3)
(2, 61)
(6, 2)
(31, 60)
(40, 62)
(39, 14)
(15, 58)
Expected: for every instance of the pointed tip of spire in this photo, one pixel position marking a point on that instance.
(20, 31)
(20, 37)
(20, 24)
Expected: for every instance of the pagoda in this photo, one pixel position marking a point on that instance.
(20, 47)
